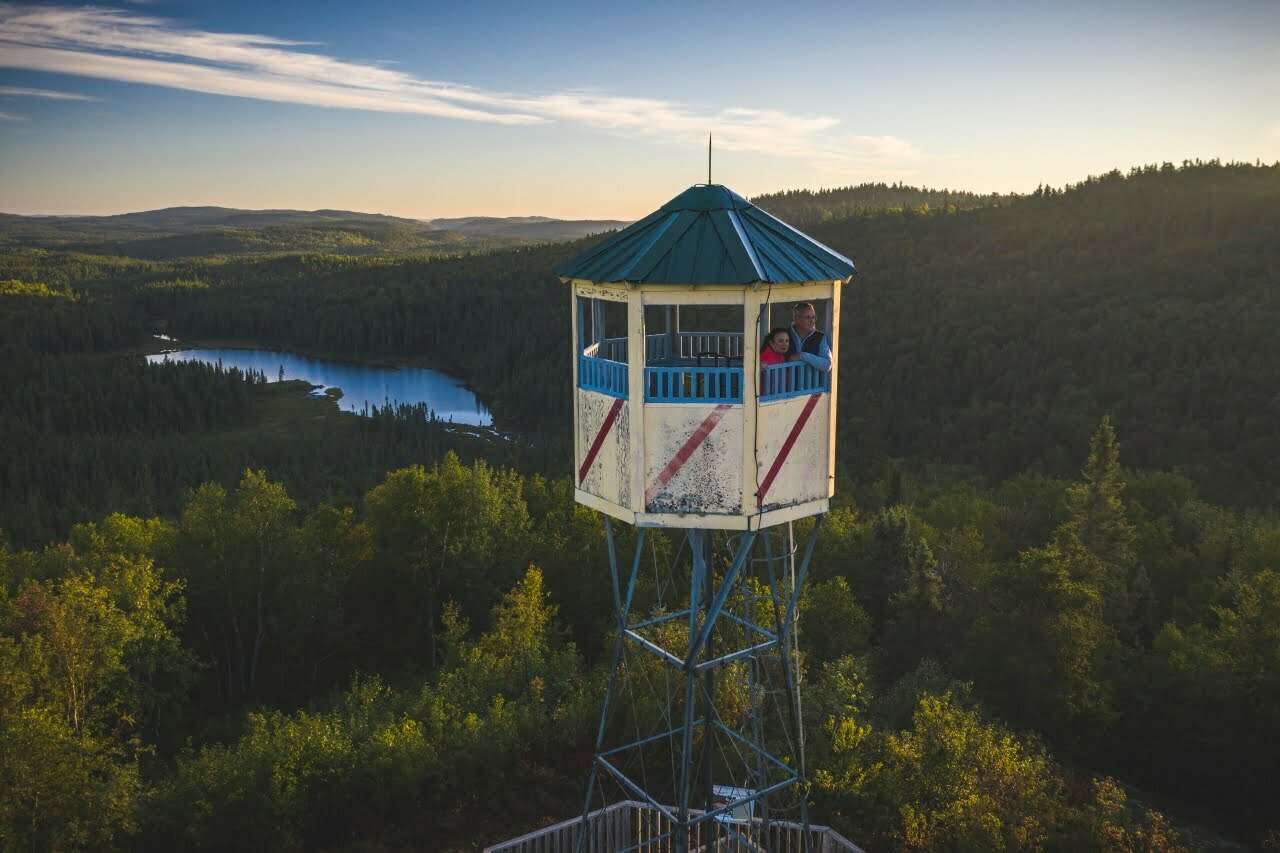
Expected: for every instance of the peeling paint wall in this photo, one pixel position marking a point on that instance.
(709, 480)
(804, 474)
(609, 476)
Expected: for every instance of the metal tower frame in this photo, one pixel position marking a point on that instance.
(697, 659)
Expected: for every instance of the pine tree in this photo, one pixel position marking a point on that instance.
(1099, 523)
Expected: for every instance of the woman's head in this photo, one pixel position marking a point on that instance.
(778, 340)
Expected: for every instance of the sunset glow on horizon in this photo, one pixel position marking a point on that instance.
(576, 110)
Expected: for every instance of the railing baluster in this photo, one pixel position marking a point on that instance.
(795, 379)
(603, 375)
(678, 384)
(640, 827)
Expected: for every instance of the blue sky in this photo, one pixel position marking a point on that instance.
(576, 110)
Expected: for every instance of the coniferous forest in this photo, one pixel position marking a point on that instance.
(1043, 614)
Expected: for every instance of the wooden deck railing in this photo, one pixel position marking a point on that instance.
(638, 826)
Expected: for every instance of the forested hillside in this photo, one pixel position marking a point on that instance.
(804, 209)
(185, 232)
(998, 338)
(1044, 615)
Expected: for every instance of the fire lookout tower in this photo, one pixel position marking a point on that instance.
(679, 425)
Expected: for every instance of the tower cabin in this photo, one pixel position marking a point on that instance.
(678, 424)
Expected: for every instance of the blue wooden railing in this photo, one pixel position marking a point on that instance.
(724, 343)
(613, 349)
(602, 367)
(603, 375)
(665, 347)
(795, 379)
(693, 384)
(657, 347)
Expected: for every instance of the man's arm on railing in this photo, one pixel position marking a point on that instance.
(821, 361)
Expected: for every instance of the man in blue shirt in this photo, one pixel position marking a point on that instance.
(807, 343)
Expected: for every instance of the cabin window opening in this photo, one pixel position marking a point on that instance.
(693, 353)
(795, 378)
(602, 346)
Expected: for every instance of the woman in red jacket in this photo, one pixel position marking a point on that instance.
(773, 350)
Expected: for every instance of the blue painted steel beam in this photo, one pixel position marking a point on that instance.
(726, 587)
(804, 571)
(657, 620)
(651, 739)
(635, 572)
(617, 651)
(750, 626)
(690, 689)
(757, 748)
(784, 629)
(738, 655)
(656, 649)
(613, 677)
(676, 662)
(613, 570)
(622, 777)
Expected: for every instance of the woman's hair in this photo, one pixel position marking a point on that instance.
(774, 332)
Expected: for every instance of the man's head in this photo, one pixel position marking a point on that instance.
(804, 318)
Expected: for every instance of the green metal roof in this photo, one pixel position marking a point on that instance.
(708, 235)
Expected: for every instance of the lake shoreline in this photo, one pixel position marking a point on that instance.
(386, 361)
(365, 384)
(168, 344)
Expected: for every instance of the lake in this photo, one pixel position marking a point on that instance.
(361, 384)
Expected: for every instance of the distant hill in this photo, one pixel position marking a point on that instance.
(529, 227)
(189, 218)
(179, 232)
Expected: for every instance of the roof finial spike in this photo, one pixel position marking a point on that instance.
(708, 159)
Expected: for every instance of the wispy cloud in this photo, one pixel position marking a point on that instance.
(126, 46)
(11, 117)
(19, 92)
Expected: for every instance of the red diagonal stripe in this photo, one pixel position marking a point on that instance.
(683, 454)
(786, 448)
(599, 440)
